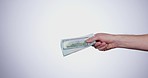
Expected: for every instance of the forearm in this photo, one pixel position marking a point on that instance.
(132, 41)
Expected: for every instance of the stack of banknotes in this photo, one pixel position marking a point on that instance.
(72, 45)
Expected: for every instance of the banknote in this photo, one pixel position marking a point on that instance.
(72, 45)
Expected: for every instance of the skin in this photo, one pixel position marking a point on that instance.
(106, 41)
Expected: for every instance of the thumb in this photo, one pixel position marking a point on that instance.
(92, 39)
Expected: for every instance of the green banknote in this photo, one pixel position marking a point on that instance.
(72, 45)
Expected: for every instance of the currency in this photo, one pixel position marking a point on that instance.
(72, 45)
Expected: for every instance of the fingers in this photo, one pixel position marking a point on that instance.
(103, 41)
(97, 44)
(103, 46)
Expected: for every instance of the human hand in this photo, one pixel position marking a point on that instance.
(103, 41)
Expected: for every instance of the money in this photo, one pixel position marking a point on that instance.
(72, 45)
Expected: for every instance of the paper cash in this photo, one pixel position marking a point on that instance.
(72, 45)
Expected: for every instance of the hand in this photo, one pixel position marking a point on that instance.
(103, 41)
(109, 41)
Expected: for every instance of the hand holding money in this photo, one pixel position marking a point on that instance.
(104, 41)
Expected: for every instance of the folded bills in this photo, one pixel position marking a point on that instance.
(72, 45)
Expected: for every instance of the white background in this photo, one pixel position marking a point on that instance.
(31, 32)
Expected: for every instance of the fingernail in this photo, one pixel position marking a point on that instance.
(88, 40)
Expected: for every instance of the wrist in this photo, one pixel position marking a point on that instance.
(119, 41)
